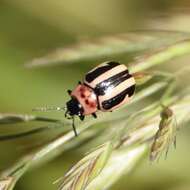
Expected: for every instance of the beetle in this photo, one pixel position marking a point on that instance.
(106, 87)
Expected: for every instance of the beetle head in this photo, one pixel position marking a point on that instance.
(74, 107)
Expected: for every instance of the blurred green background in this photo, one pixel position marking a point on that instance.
(29, 29)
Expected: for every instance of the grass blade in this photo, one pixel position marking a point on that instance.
(106, 47)
(24, 134)
(19, 118)
(159, 57)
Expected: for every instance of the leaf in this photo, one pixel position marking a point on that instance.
(108, 46)
(88, 168)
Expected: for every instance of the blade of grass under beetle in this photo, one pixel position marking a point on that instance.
(110, 45)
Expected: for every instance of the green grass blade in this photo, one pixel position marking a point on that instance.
(106, 47)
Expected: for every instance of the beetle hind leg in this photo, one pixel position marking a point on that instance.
(94, 115)
(74, 127)
(81, 117)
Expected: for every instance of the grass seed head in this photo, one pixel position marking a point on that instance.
(165, 136)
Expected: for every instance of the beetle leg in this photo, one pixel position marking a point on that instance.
(94, 115)
(66, 114)
(69, 92)
(74, 128)
(81, 117)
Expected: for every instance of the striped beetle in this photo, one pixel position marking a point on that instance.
(105, 88)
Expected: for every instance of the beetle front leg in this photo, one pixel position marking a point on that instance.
(69, 92)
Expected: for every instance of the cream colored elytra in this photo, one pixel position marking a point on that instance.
(112, 91)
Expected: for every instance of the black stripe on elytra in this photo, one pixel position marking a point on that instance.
(113, 63)
(108, 104)
(111, 82)
(100, 70)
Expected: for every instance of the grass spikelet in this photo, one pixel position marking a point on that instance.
(165, 136)
(80, 175)
(6, 184)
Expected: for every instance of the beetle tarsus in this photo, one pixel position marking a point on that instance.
(81, 117)
(94, 115)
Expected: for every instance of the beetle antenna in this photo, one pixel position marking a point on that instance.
(45, 109)
(73, 125)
